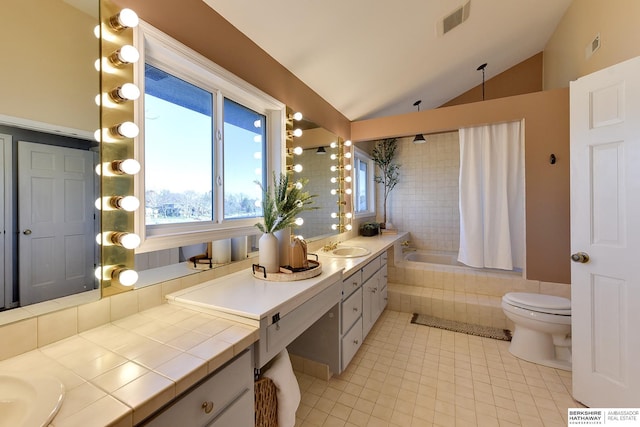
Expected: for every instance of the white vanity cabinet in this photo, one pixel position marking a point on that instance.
(225, 398)
(374, 292)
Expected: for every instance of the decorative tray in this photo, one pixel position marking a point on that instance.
(287, 274)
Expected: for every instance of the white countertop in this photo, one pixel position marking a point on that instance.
(244, 298)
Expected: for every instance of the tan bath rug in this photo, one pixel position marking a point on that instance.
(465, 328)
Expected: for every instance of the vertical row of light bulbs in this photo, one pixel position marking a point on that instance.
(116, 135)
(343, 181)
(291, 151)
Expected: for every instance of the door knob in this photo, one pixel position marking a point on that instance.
(26, 232)
(580, 257)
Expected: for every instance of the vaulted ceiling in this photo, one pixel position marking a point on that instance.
(376, 58)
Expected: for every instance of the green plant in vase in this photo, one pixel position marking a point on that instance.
(282, 203)
(383, 153)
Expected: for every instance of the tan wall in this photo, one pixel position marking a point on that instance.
(47, 72)
(198, 26)
(526, 77)
(546, 116)
(617, 21)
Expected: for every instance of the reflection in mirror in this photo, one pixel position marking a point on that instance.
(48, 115)
(316, 162)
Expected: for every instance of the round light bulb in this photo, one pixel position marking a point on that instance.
(126, 277)
(348, 227)
(97, 134)
(347, 155)
(297, 168)
(126, 92)
(334, 215)
(334, 191)
(347, 178)
(96, 31)
(299, 185)
(129, 203)
(97, 64)
(98, 169)
(333, 157)
(334, 226)
(348, 215)
(127, 54)
(347, 143)
(297, 133)
(347, 167)
(126, 130)
(98, 273)
(333, 168)
(98, 100)
(98, 203)
(128, 166)
(333, 145)
(99, 238)
(129, 240)
(127, 18)
(348, 191)
(299, 221)
(297, 116)
(297, 151)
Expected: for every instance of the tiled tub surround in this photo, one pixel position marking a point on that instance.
(459, 293)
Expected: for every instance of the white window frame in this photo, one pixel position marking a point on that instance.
(361, 156)
(176, 57)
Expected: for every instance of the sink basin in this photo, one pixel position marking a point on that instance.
(29, 400)
(350, 251)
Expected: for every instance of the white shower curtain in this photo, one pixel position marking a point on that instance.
(492, 196)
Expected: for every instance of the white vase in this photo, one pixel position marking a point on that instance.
(268, 252)
(284, 240)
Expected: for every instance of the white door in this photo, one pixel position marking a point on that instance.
(605, 224)
(56, 217)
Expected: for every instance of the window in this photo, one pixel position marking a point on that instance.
(207, 140)
(363, 199)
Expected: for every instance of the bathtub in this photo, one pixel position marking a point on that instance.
(443, 258)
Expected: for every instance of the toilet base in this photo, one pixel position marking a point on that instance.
(538, 347)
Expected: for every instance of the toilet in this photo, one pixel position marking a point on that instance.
(542, 332)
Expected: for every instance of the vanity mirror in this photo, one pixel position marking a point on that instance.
(47, 118)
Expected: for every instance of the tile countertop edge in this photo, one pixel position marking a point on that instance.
(147, 402)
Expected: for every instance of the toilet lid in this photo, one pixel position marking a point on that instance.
(539, 302)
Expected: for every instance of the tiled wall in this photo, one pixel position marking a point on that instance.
(425, 201)
(460, 293)
(316, 168)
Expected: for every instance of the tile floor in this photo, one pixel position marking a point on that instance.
(412, 375)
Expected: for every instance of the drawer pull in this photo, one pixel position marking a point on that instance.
(207, 406)
(355, 284)
(355, 309)
(374, 290)
(355, 342)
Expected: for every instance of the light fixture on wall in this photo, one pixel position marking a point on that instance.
(321, 150)
(419, 138)
(481, 68)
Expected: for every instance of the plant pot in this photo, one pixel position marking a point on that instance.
(268, 251)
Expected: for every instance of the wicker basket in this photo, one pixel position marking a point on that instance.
(266, 403)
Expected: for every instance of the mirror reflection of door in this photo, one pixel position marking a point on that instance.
(56, 221)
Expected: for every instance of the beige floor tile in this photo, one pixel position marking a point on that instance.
(411, 375)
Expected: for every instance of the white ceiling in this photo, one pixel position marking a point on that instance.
(376, 58)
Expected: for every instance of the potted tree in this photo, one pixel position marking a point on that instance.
(383, 153)
(281, 206)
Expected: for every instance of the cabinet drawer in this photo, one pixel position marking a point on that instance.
(240, 413)
(222, 389)
(350, 284)
(370, 269)
(351, 310)
(351, 342)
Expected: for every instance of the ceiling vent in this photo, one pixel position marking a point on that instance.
(454, 19)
